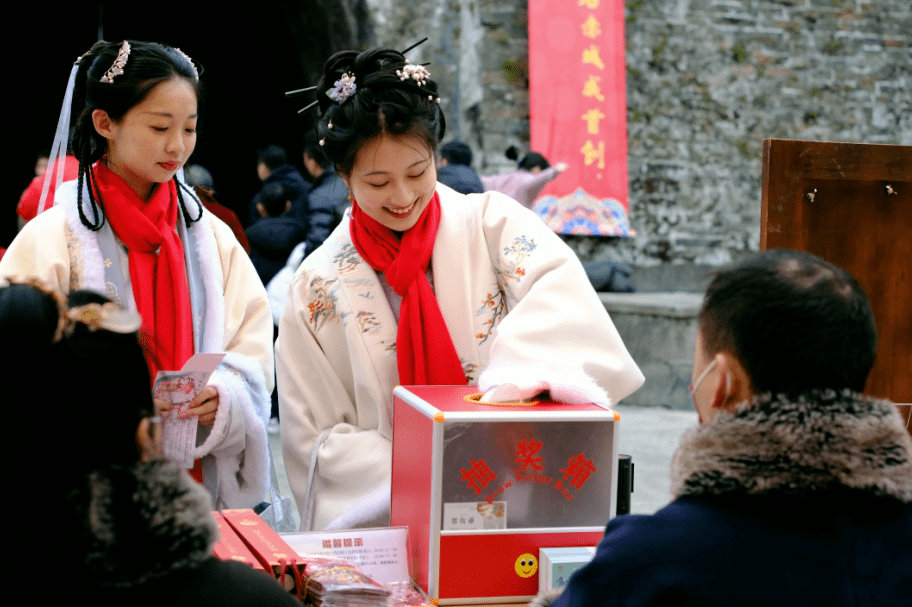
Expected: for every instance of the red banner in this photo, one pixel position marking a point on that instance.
(579, 112)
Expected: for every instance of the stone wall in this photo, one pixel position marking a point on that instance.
(479, 55)
(708, 80)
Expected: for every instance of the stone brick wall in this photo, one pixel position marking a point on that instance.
(708, 80)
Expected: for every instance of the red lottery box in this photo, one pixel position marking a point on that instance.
(231, 547)
(482, 487)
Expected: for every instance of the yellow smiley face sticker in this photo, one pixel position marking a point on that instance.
(526, 565)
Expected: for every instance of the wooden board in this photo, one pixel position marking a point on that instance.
(851, 204)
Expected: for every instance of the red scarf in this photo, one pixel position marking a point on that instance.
(159, 280)
(424, 351)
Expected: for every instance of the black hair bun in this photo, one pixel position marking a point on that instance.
(382, 102)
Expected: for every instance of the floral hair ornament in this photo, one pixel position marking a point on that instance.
(418, 73)
(118, 68)
(343, 88)
(196, 75)
(340, 89)
(107, 316)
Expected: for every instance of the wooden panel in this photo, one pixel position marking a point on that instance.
(851, 204)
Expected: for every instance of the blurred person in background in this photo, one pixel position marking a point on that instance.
(526, 183)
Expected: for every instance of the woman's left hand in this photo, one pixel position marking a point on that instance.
(205, 405)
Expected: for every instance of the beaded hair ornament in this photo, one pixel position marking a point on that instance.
(119, 64)
(345, 87)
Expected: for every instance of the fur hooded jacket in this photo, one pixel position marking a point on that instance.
(803, 501)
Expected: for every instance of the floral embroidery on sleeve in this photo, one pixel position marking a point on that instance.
(514, 255)
(512, 268)
(322, 305)
(347, 259)
(367, 321)
(494, 307)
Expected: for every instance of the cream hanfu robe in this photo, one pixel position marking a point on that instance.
(230, 314)
(515, 299)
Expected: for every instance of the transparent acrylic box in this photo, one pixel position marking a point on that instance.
(483, 487)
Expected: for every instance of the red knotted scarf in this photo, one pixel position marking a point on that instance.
(157, 270)
(424, 351)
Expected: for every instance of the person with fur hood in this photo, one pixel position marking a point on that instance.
(795, 489)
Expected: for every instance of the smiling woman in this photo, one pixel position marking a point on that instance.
(130, 228)
(419, 285)
(393, 179)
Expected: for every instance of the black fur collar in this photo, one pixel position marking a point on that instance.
(824, 440)
(144, 522)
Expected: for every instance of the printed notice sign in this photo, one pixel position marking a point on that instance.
(382, 554)
(179, 388)
(474, 515)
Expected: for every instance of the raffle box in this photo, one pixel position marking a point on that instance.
(483, 487)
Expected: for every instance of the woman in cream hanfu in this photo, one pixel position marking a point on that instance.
(128, 228)
(419, 285)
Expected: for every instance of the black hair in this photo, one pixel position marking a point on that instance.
(456, 152)
(529, 161)
(274, 198)
(148, 65)
(84, 395)
(273, 156)
(314, 150)
(794, 321)
(94, 384)
(383, 103)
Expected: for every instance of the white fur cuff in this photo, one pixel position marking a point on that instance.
(566, 386)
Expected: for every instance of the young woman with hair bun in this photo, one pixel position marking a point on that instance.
(130, 228)
(419, 285)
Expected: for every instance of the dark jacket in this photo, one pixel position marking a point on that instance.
(147, 540)
(296, 189)
(781, 503)
(326, 203)
(460, 177)
(271, 241)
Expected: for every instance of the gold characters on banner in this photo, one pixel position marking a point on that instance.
(592, 28)
(592, 89)
(591, 56)
(592, 153)
(592, 118)
(589, 3)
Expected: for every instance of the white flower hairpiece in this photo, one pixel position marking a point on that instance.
(118, 68)
(418, 73)
(196, 75)
(343, 88)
